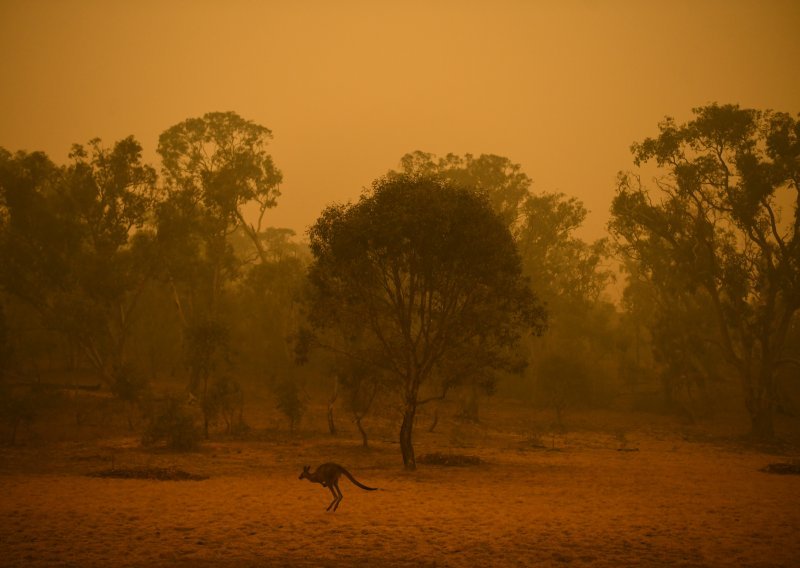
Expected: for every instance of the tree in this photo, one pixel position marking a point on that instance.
(565, 271)
(270, 291)
(713, 226)
(220, 163)
(206, 347)
(215, 169)
(424, 268)
(360, 384)
(505, 184)
(562, 380)
(289, 400)
(74, 243)
(678, 326)
(5, 344)
(361, 388)
(542, 223)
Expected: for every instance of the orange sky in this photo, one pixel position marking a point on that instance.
(347, 87)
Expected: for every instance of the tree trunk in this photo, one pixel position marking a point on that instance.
(435, 421)
(128, 406)
(406, 431)
(760, 401)
(205, 405)
(470, 405)
(331, 401)
(331, 423)
(762, 423)
(251, 232)
(364, 440)
(559, 407)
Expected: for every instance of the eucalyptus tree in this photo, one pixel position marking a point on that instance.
(504, 183)
(567, 272)
(221, 161)
(722, 222)
(217, 171)
(423, 268)
(543, 224)
(75, 244)
(215, 168)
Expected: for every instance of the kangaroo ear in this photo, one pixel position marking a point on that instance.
(306, 467)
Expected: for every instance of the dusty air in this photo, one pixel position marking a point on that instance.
(399, 284)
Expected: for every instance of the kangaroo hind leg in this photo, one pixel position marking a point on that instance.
(339, 497)
(335, 497)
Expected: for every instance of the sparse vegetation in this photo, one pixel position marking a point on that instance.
(454, 251)
(16, 408)
(449, 295)
(421, 296)
(114, 274)
(714, 245)
(252, 484)
(225, 402)
(290, 401)
(170, 422)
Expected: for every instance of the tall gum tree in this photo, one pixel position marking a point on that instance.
(722, 221)
(220, 162)
(75, 246)
(566, 272)
(216, 168)
(543, 224)
(426, 270)
(501, 180)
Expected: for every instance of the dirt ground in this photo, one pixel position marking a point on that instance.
(674, 500)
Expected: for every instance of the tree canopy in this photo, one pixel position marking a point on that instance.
(217, 172)
(425, 268)
(561, 266)
(73, 243)
(219, 162)
(566, 272)
(723, 222)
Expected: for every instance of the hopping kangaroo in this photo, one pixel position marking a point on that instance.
(328, 475)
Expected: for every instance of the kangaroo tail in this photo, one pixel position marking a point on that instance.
(349, 476)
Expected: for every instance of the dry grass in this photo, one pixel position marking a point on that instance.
(577, 501)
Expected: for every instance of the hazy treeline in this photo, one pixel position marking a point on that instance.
(450, 278)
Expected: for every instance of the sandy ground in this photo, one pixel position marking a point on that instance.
(671, 503)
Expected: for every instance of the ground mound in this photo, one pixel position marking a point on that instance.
(157, 473)
(792, 468)
(458, 460)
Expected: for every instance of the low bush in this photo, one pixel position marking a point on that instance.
(171, 423)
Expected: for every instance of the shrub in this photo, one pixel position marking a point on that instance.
(225, 401)
(16, 408)
(289, 401)
(172, 424)
(129, 386)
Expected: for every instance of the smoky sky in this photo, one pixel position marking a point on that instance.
(563, 88)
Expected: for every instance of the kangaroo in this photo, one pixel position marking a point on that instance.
(328, 475)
